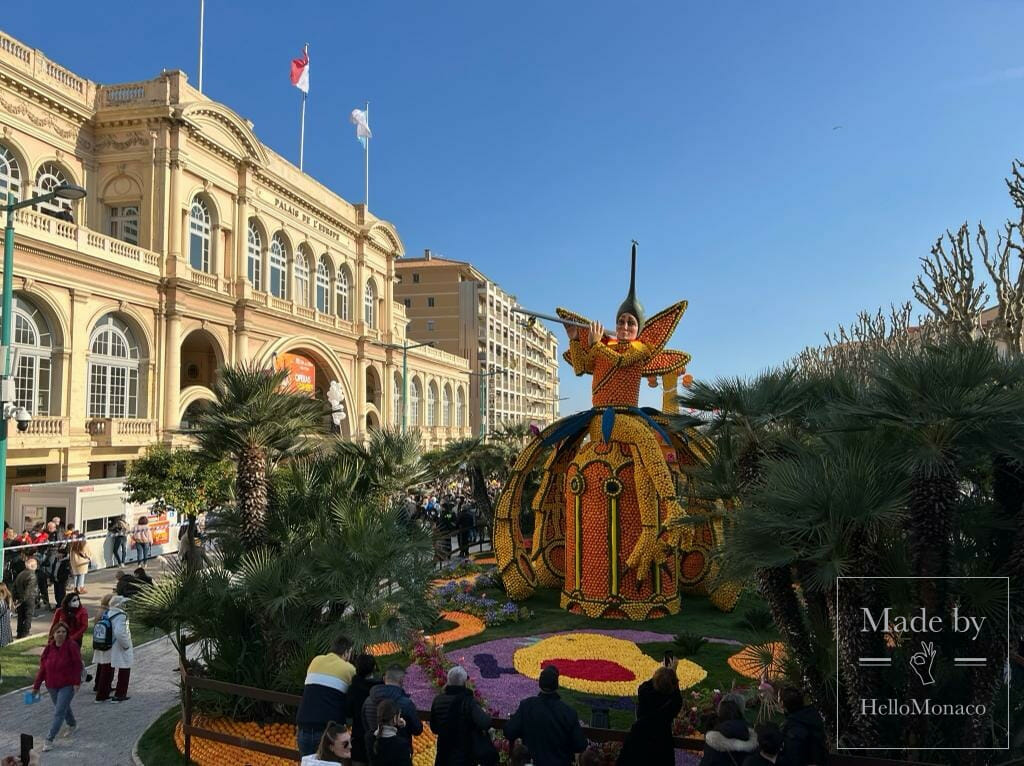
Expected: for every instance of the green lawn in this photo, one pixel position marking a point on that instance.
(696, 616)
(20, 666)
(156, 748)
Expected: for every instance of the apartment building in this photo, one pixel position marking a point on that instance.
(514, 364)
(195, 246)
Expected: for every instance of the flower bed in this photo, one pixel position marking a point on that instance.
(460, 596)
(598, 664)
(760, 661)
(492, 670)
(466, 625)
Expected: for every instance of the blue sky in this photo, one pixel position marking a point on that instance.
(536, 139)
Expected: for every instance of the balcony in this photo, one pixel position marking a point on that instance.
(121, 432)
(90, 244)
(43, 431)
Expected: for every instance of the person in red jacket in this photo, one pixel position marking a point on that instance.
(60, 668)
(72, 613)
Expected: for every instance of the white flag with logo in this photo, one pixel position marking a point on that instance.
(360, 119)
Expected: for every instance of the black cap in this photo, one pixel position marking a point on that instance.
(631, 305)
(549, 679)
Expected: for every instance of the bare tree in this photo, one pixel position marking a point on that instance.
(1009, 257)
(947, 288)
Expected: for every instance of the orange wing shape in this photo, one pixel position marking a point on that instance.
(584, 333)
(659, 328)
(667, 361)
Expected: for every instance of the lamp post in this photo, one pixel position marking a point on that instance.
(64, 191)
(405, 371)
(483, 394)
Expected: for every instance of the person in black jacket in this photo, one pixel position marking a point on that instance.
(366, 666)
(456, 717)
(548, 727)
(650, 739)
(803, 732)
(769, 744)
(731, 740)
(392, 689)
(388, 748)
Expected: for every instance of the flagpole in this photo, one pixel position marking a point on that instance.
(302, 119)
(366, 168)
(202, 19)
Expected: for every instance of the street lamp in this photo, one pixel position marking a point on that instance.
(483, 393)
(405, 371)
(64, 191)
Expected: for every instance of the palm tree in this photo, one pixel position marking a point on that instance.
(257, 423)
(749, 422)
(344, 560)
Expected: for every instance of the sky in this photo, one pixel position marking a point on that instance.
(782, 165)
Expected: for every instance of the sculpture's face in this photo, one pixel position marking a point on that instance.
(626, 327)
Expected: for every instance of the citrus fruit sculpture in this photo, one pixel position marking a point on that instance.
(612, 483)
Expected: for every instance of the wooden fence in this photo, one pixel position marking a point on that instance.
(189, 730)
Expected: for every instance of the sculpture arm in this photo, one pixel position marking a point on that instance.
(581, 359)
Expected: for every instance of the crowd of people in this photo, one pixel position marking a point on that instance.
(449, 509)
(52, 554)
(349, 715)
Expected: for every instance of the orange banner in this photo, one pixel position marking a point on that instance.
(160, 528)
(301, 373)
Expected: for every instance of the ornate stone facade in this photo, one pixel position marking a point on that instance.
(196, 246)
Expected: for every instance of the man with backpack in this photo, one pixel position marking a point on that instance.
(460, 725)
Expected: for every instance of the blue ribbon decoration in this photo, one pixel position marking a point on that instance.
(573, 424)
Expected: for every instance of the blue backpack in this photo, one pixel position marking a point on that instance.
(103, 633)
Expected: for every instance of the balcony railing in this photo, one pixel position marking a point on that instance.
(92, 244)
(205, 280)
(118, 432)
(43, 431)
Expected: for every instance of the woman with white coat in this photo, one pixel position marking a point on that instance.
(120, 656)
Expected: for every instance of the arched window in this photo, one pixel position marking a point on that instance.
(34, 342)
(446, 406)
(460, 408)
(199, 235)
(369, 303)
(396, 399)
(113, 370)
(415, 391)
(254, 259)
(432, 404)
(278, 267)
(49, 177)
(301, 278)
(323, 285)
(10, 176)
(342, 293)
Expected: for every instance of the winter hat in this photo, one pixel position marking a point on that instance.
(549, 679)
(118, 602)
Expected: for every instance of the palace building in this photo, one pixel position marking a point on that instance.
(515, 363)
(196, 246)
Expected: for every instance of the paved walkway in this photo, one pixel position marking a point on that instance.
(107, 732)
(97, 583)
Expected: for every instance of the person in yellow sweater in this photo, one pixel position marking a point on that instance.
(323, 695)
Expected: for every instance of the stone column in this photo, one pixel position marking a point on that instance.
(76, 363)
(172, 371)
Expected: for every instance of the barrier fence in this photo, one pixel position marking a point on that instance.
(190, 730)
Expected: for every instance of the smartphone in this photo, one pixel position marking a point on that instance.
(27, 743)
(669, 657)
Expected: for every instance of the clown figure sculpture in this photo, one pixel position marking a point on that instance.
(611, 483)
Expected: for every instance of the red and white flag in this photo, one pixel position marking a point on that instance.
(300, 71)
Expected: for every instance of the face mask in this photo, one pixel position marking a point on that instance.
(75, 604)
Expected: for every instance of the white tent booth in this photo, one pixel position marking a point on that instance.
(90, 505)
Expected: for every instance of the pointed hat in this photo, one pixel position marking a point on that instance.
(631, 305)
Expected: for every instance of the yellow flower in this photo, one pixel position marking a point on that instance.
(589, 662)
